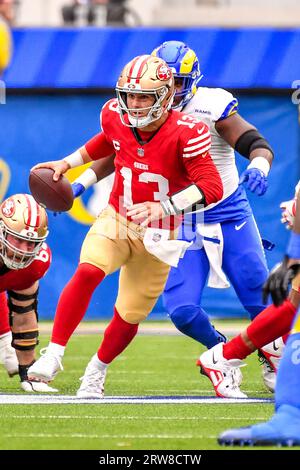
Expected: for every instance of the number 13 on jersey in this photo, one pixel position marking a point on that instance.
(145, 177)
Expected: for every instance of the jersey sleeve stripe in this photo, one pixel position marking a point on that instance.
(198, 142)
(199, 152)
(230, 109)
(199, 146)
(201, 137)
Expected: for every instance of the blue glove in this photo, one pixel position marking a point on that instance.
(78, 189)
(254, 180)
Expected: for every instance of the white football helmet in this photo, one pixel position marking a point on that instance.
(148, 75)
(21, 218)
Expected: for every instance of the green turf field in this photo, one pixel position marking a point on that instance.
(152, 365)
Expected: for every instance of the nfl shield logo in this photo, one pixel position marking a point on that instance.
(140, 152)
(156, 237)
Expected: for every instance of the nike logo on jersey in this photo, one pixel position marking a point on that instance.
(274, 346)
(238, 227)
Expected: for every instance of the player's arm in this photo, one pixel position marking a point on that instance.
(24, 322)
(247, 141)
(96, 148)
(99, 170)
(281, 276)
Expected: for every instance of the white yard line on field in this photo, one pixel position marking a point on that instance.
(10, 399)
(107, 436)
(143, 418)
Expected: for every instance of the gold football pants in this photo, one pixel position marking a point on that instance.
(112, 243)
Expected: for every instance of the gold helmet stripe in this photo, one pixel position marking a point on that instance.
(188, 62)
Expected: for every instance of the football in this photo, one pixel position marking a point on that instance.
(56, 196)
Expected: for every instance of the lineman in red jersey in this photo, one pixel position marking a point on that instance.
(24, 259)
(161, 170)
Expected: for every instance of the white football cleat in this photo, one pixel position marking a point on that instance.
(32, 386)
(8, 355)
(46, 367)
(92, 383)
(238, 376)
(270, 356)
(222, 372)
(268, 374)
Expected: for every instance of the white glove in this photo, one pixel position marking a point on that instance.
(288, 213)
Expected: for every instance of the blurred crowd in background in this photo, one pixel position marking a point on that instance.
(152, 12)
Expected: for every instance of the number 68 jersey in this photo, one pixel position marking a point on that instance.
(153, 169)
(20, 279)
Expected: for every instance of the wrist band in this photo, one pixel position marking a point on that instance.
(87, 178)
(261, 164)
(183, 200)
(75, 159)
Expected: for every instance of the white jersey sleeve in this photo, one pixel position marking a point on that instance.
(211, 105)
(218, 102)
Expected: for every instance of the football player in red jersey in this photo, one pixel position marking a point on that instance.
(24, 259)
(163, 167)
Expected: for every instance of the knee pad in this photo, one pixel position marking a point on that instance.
(19, 309)
(25, 340)
(184, 315)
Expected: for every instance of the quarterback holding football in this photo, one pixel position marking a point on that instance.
(162, 168)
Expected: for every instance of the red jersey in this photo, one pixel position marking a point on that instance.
(176, 156)
(20, 279)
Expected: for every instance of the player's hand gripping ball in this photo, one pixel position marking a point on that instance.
(56, 196)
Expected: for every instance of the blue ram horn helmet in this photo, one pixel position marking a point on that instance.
(184, 64)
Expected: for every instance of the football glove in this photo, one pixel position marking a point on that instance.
(277, 284)
(288, 213)
(254, 180)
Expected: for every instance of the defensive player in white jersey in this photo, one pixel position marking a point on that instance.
(227, 246)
